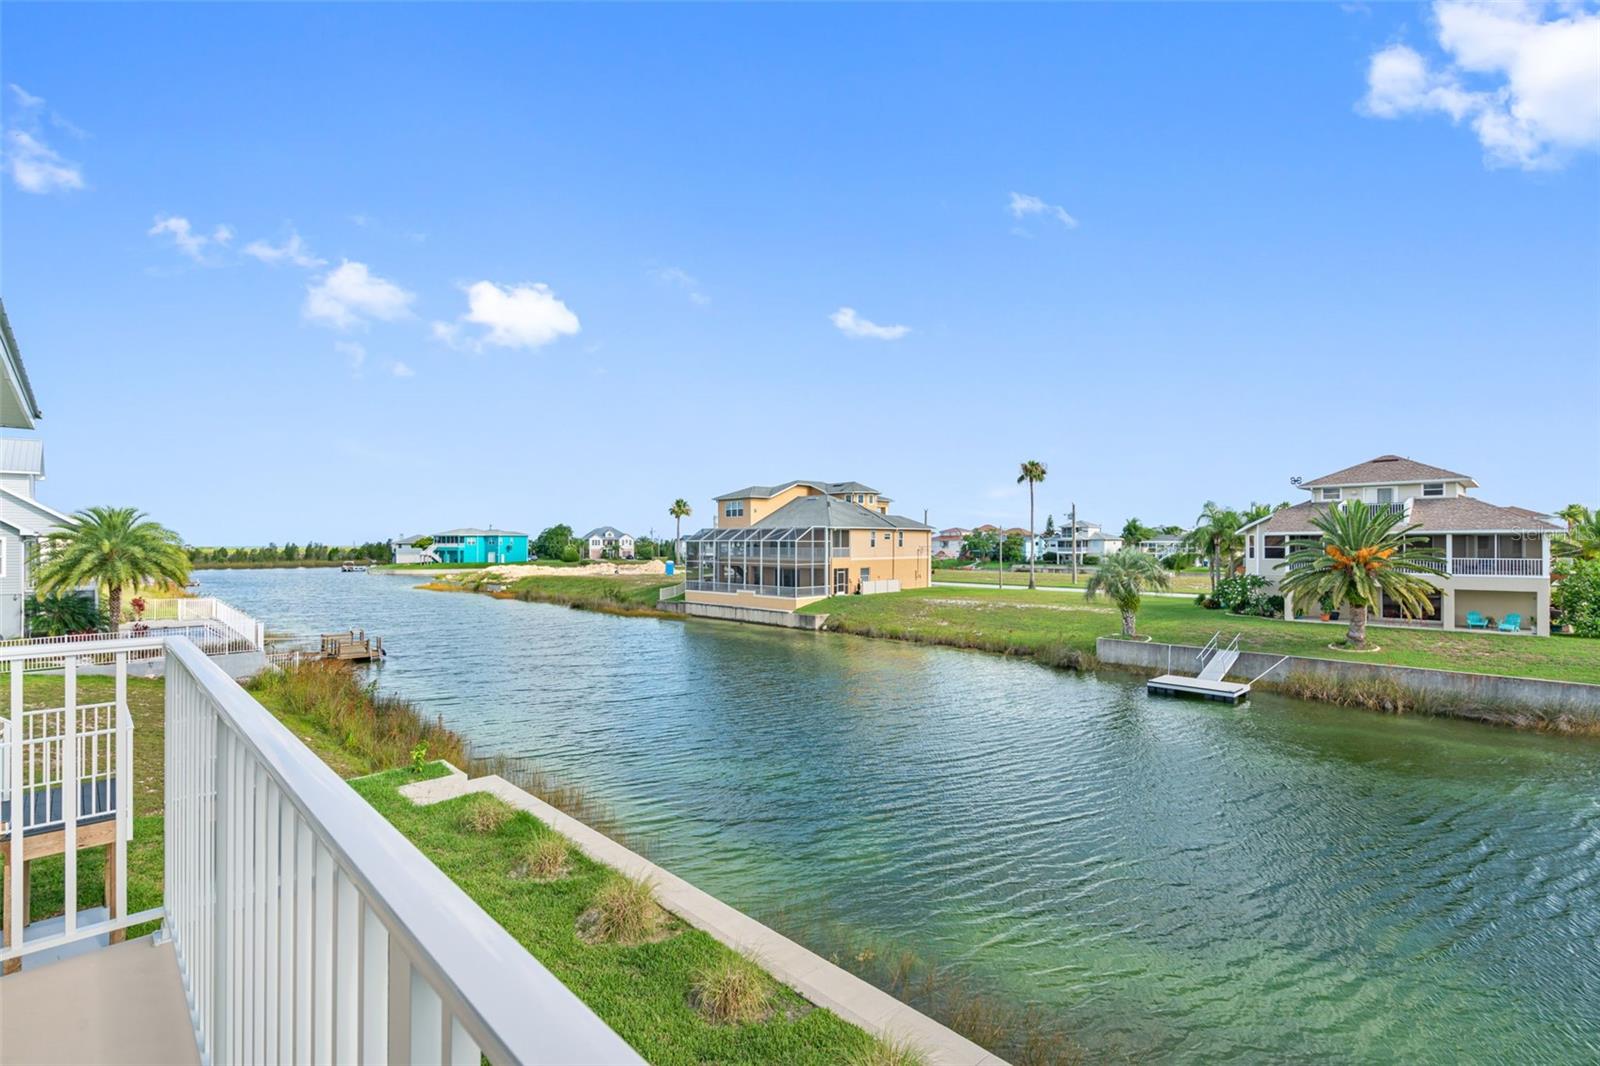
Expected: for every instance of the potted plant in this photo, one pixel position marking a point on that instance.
(1326, 606)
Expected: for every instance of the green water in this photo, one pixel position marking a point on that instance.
(1168, 880)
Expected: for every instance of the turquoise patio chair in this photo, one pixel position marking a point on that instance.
(1511, 623)
(1476, 621)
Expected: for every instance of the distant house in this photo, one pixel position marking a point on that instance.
(1164, 545)
(948, 543)
(405, 550)
(1090, 540)
(1496, 559)
(480, 546)
(607, 542)
(780, 547)
(24, 521)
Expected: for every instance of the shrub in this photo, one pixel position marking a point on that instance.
(569, 554)
(56, 614)
(732, 991)
(1091, 560)
(1577, 597)
(484, 814)
(1248, 594)
(419, 757)
(624, 911)
(884, 1051)
(546, 860)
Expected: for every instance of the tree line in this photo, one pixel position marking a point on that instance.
(373, 551)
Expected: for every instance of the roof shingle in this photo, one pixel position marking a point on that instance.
(1385, 469)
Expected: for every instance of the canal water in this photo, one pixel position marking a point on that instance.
(1172, 880)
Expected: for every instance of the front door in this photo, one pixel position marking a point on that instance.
(841, 582)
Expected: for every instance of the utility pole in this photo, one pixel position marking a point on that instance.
(1074, 542)
(1000, 557)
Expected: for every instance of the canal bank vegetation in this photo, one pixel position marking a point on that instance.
(607, 593)
(673, 992)
(1049, 625)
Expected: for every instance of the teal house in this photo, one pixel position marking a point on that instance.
(480, 546)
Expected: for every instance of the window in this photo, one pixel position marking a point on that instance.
(841, 540)
(1330, 494)
(1272, 546)
(733, 509)
(1250, 546)
(1386, 495)
(1433, 488)
(872, 539)
(902, 535)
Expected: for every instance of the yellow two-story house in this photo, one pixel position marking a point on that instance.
(780, 547)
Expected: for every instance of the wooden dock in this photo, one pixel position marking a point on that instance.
(353, 646)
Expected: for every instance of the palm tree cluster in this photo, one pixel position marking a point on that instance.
(113, 548)
(1216, 535)
(1362, 553)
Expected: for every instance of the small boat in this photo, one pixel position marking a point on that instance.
(352, 568)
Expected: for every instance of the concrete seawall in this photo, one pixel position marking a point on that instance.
(1467, 695)
(752, 615)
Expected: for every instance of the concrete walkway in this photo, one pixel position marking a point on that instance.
(809, 974)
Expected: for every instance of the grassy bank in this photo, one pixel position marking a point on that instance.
(673, 992)
(277, 564)
(609, 593)
(1186, 582)
(1051, 624)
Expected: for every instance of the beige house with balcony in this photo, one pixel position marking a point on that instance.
(780, 547)
(1497, 559)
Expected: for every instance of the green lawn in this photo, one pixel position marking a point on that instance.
(1026, 623)
(643, 992)
(612, 593)
(1191, 582)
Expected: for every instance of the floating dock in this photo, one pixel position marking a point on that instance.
(353, 646)
(1179, 685)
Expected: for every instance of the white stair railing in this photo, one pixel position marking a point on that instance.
(308, 929)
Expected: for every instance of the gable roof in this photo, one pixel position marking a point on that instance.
(1451, 514)
(19, 456)
(53, 518)
(17, 373)
(1385, 469)
(766, 492)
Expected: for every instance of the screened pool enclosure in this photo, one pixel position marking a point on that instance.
(790, 562)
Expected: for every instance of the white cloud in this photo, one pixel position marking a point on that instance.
(852, 325)
(292, 250)
(350, 294)
(38, 168)
(400, 370)
(354, 352)
(34, 166)
(1524, 76)
(683, 280)
(1022, 205)
(184, 237)
(514, 316)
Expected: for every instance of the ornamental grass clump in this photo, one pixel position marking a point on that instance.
(547, 859)
(624, 912)
(732, 991)
(886, 1051)
(484, 815)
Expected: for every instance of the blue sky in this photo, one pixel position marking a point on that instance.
(568, 263)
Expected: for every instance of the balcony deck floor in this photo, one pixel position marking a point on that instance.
(120, 1004)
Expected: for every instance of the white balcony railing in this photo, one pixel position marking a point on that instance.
(1497, 567)
(308, 929)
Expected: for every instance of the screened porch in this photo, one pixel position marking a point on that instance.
(787, 562)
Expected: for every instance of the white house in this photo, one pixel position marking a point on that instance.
(1497, 559)
(604, 542)
(405, 550)
(1163, 545)
(1090, 540)
(23, 519)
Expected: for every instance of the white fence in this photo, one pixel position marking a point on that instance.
(309, 930)
(68, 770)
(206, 609)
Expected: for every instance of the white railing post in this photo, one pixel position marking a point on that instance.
(69, 796)
(17, 920)
(123, 756)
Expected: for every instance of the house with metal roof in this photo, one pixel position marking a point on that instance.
(607, 542)
(471, 545)
(779, 547)
(1496, 573)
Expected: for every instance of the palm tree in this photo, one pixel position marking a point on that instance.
(1033, 473)
(1134, 531)
(1582, 538)
(114, 547)
(1361, 554)
(679, 510)
(1123, 576)
(1216, 535)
